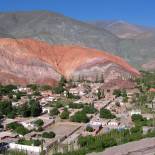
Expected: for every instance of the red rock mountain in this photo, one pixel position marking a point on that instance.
(31, 61)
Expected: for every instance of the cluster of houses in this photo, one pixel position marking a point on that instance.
(87, 93)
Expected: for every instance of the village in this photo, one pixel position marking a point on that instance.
(51, 120)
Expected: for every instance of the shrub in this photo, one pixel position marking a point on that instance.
(18, 128)
(48, 135)
(29, 142)
(76, 105)
(137, 117)
(39, 122)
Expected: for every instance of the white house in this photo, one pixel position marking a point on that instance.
(47, 99)
(113, 123)
(135, 112)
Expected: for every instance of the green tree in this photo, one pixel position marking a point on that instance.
(54, 112)
(105, 113)
(24, 110)
(62, 81)
(80, 117)
(35, 108)
(89, 109)
(5, 107)
(64, 114)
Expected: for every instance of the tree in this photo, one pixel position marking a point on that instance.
(137, 118)
(102, 78)
(80, 116)
(5, 107)
(96, 78)
(62, 81)
(7, 89)
(18, 128)
(11, 115)
(89, 109)
(24, 110)
(21, 130)
(35, 108)
(117, 92)
(58, 89)
(1, 116)
(54, 112)
(105, 113)
(64, 114)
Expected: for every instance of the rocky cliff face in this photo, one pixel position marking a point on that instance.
(31, 61)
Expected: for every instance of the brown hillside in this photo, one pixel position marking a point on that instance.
(28, 60)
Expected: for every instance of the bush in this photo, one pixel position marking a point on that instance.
(76, 105)
(48, 135)
(39, 122)
(21, 130)
(137, 118)
(29, 142)
(105, 113)
(140, 121)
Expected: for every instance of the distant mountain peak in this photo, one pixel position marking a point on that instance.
(120, 28)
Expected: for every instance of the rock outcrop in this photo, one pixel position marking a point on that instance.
(32, 61)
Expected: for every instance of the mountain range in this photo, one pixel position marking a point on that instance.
(134, 43)
(32, 61)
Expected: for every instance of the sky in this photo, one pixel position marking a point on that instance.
(140, 12)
